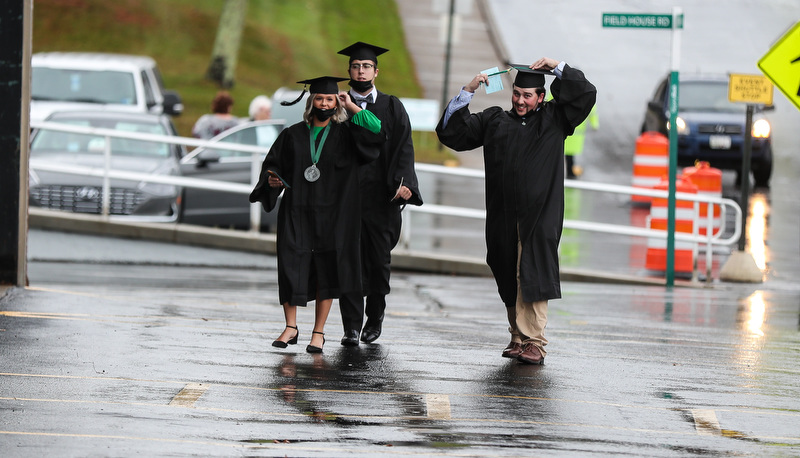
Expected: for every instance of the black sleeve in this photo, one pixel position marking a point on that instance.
(575, 97)
(400, 151)
(273, 162)
(464, 131)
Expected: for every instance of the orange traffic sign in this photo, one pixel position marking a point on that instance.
(781, 64)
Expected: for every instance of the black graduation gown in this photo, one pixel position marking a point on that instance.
(379, 180)
(318, 223)
(524, 166)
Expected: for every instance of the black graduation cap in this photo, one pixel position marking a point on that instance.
(363, 51)
(320, 85)
(528, 77)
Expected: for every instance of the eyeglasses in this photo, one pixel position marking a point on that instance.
(360, 66)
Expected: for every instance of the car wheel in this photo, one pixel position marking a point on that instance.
(762, 171)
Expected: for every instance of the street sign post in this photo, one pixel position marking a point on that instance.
(673, 22)
(750, 89)
(781, 64)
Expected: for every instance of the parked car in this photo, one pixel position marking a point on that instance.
(710, 128)
(63, 81)
(83, 194)
(214, 208)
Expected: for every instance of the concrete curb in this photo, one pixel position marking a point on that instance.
(265, 243)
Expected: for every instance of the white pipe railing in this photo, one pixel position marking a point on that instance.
(712, 237)
(106, 173)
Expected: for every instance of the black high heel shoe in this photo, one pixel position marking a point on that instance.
(314, 349)
(292, 341)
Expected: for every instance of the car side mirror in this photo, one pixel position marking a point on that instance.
(206, 157)
(656, 106)
(173, 105)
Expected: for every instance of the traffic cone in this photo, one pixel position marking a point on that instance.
(709, 182)
(656, 258)
(650, 162)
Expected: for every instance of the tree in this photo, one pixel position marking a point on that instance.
(222, 67)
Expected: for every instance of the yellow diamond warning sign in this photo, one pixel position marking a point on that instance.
(781, 64)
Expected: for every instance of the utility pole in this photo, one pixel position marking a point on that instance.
(447, 52)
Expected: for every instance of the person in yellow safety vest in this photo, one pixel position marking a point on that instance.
(573, 145)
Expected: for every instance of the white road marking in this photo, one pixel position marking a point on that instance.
(188, 395)
(438, 406)
(706, 423)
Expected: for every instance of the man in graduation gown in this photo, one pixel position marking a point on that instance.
(386, 186)
(524, 166)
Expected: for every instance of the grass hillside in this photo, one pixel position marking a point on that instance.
(283, 42)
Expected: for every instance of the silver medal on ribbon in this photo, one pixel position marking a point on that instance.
(311, 173)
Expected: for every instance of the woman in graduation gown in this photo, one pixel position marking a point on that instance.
(523, 150)
(315, 164)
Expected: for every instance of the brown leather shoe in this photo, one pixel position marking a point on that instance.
(512, 350)
(530, 355)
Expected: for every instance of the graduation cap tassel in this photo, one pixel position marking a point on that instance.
(286, 104)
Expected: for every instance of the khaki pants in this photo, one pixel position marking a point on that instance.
(530, 318)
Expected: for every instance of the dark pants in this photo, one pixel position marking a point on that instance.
(352, 308)
(570, 159)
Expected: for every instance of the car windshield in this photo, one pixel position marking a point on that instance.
(88, 86)
(707, 96)
(60, 142)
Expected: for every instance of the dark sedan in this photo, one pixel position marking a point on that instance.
(214, 208)
(710, 128)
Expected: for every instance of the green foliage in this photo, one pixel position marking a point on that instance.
(283, 42)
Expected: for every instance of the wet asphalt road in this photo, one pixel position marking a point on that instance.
(140, 348)
(171, 356)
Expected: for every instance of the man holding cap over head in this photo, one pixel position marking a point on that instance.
(386, 186)
(524, 164)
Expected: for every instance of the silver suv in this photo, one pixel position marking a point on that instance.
(90, 81)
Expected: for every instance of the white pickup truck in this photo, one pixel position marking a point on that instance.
(98, 81)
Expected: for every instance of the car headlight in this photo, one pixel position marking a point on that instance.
(158, 189)
(161, 189)
(683, 129)
(761, 129)
(33, 178)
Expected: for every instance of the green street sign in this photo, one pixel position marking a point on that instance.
(640, 21)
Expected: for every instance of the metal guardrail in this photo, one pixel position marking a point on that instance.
(712, 238)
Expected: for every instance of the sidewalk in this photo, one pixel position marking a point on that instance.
(474, 48)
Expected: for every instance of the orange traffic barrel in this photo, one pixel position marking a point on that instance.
(656, 258)
(709, 182)
(650, 162)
